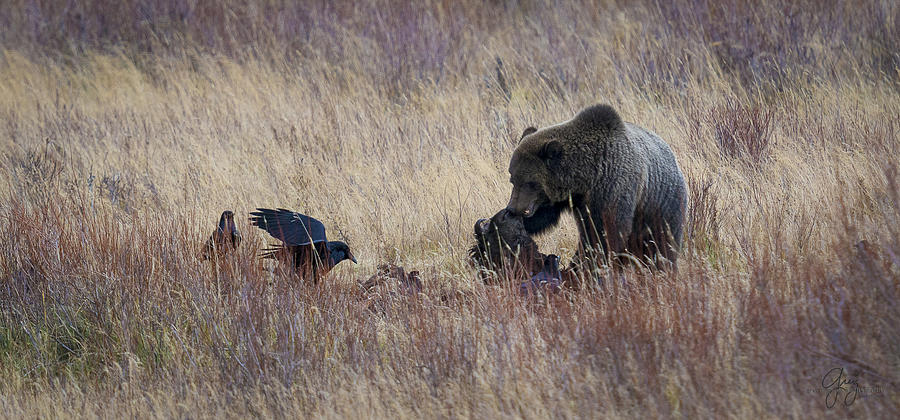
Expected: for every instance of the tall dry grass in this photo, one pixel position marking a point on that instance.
(129, 126)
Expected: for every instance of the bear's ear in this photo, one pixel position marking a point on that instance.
(551, 151)
(527, 131)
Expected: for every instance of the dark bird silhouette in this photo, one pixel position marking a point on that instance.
(304, 243)
(225, 238)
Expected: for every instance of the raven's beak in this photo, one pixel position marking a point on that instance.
(352, 258)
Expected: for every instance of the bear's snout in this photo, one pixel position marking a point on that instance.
(528, 211)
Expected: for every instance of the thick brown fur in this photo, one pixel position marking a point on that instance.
(621, 182)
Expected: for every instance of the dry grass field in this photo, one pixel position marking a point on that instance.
(127, 127)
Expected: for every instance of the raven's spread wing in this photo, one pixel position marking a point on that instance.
(291, 227)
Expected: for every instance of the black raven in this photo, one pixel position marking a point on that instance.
(226, 236)
(304, 242)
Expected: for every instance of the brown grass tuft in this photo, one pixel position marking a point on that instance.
(126, 127)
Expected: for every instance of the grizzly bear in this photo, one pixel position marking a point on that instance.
(621, 182)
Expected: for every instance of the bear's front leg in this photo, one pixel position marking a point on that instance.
(591, 245)
(604, 234)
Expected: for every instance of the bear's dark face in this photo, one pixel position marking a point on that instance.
(533, 172)
(526, 198)
(555, 168)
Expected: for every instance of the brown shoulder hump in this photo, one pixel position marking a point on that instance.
(600, 117)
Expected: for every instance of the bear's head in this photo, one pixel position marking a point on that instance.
(556, 163)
